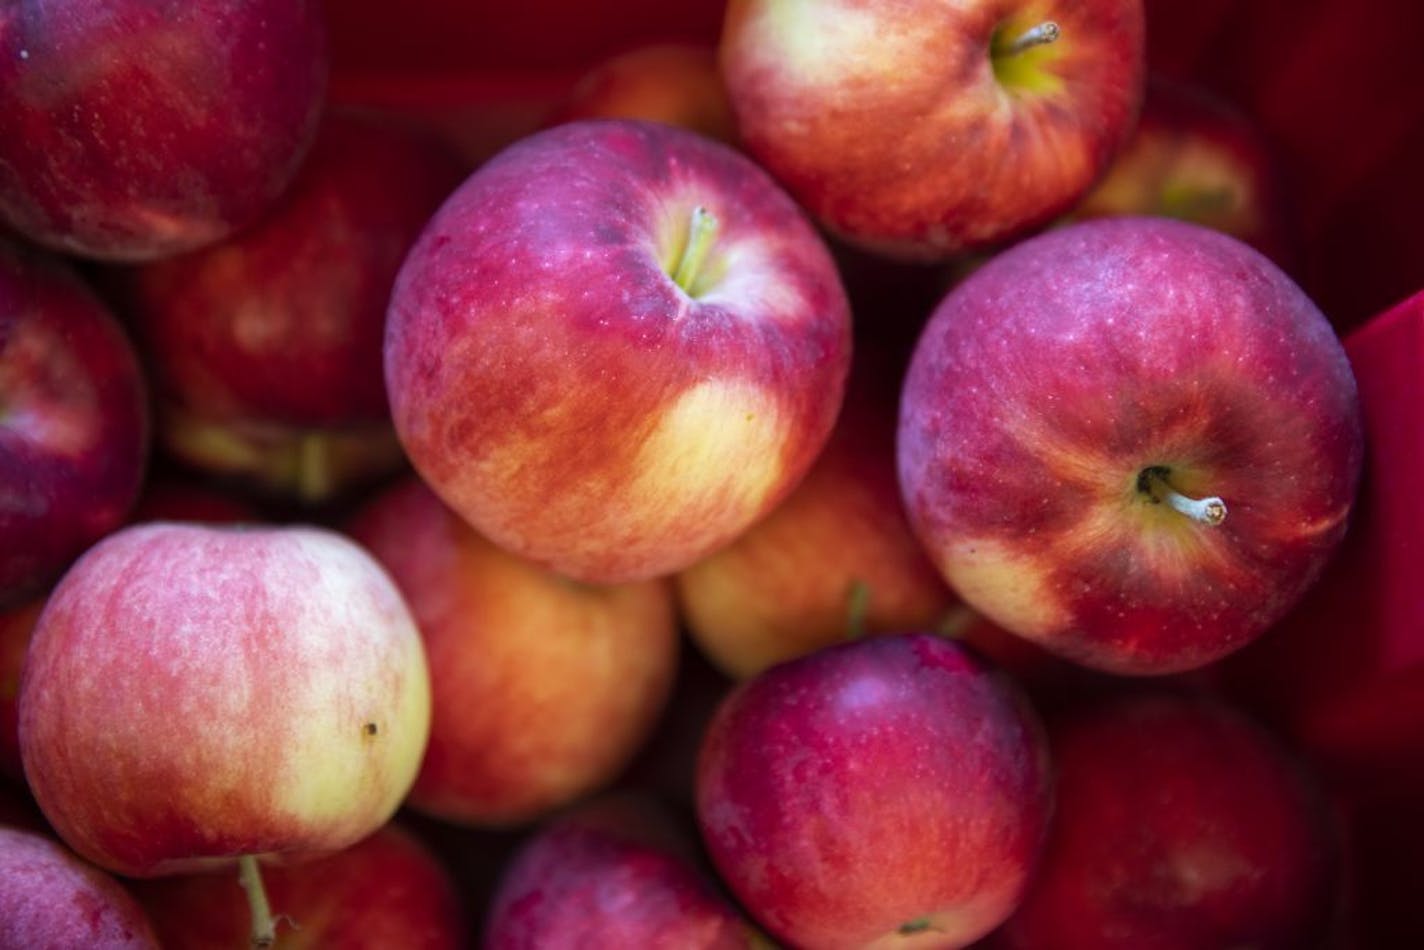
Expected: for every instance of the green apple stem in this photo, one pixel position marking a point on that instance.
(264, 927)
(1045, 32)
(857, 607)
(701, 230)
(1153, 481)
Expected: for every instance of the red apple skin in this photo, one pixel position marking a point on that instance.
(892, 791)
(1051, 378)
(892, 126)
(1180, 824)
(193, 694)
(542, 689)
(16, 626)
(560, 391)
(74, 431)
(130, 131)
(388, 890)
(615, 871)
(51, 898)
(788, 585)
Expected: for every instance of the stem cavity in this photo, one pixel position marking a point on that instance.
(702, 229)
(264, 927)
(1152, 481)
(1039, 35)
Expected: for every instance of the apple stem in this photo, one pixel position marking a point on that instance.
(702, 228)
(264, 927)
(857, 606)
(1045, 32)
(1210, 511)
(314, 480)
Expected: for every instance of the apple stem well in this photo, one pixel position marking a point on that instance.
(701, 231)
(1152, 481)
(264, 927)
(1039, 35)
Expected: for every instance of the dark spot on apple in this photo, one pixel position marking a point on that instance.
(370, 729)
(911, 927)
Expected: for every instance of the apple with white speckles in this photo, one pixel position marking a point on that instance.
(195, 696)
(1134, 441)
(616, 346)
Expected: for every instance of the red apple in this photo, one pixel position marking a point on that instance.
(676, 83)
(892, 791)
(73, 419)
(542, 690)
(922, 128)
(194, 695)
(1132, 440)
(16, 626)
(266, 348)
(387, 891)
(613, 872)
(614, 370)
(49, 898)
(1179, 825)
(131, 130)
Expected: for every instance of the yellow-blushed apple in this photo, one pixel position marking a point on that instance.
(615, 347)
(195, 697)
(1133, 440)
(922, 128)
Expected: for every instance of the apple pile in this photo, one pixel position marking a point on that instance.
(735, 474)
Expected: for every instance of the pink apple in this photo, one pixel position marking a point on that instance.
(389, 890)
(615, 347)
(1134, 441)
(73, 419)
(922, 128)
(542, 690)
(266, 348)
(1179, 825)
(50, 898)
(890, 791)
(194, 695)
(616, 871)
(131, 130)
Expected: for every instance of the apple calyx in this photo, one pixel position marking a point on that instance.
(1152, 482)
(701, 230)
(264, 926)
(1045, 32)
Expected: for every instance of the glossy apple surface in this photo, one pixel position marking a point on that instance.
(131, 130)
(74, 424)
(559, 388)
(51, 898)
(542, 689)
(194, 693)
(891, 789)
(1068, 396)
(923, 128)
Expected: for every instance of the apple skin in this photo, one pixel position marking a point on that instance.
(557, 388)
(130, 131)
(542, 689)
(197, 693)
(388, 890)
(891, 791)
(892, 125)
(615, 871)
(1048, 381)
(51, 898)
(265, 349)
(1180, 824)
(74, 430)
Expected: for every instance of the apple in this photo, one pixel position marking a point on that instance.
(836, 557)
(614, 371)
(196, 695)
(615, 871)
(131, 130)
(890, 791)
(676, 83)
(50, 898)
(542, 690)
(388, 890)
(265, 348)
(1179, 824)
(1132, 440)
(923, 129)
(169, 498)
(74, 424)
(16, 626)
